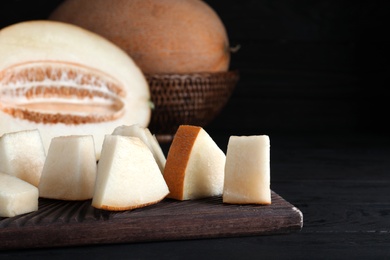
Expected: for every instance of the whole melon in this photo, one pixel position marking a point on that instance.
(161, 36)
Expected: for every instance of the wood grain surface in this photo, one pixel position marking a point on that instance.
(64, 223)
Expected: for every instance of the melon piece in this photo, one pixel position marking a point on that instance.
(69, 171)
(128, 176)
(195, 165)
(22, 155)
(162, 36)
(146, 136)
(247, 170)
(65, 80)
(16, 196)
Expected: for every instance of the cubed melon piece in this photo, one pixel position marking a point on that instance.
(247, 170)
(17, 196)
(22, 155)
(70, 168)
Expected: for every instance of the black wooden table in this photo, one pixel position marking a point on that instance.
(340, 183)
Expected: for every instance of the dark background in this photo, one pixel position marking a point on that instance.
(305, 66)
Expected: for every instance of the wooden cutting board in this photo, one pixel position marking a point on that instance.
(63, 223)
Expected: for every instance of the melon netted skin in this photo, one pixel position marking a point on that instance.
(162, 36)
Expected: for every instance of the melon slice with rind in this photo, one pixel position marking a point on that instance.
(195, 165)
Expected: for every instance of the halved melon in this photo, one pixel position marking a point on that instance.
(65, 80)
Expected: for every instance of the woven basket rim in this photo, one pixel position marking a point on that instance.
(187, 98)
(197, 74)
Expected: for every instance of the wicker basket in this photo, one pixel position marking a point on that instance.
(194, 99)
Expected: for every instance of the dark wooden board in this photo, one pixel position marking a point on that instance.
(63, 223)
